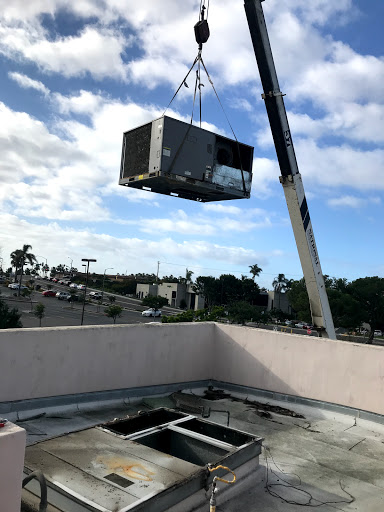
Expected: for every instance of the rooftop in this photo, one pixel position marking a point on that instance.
(315, 403)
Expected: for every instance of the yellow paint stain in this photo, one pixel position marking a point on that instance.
(123, 467)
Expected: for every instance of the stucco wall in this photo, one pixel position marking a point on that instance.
(45, 362)
(334, 371)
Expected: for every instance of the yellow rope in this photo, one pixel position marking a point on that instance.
(222, 479)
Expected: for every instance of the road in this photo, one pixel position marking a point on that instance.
(60, 312)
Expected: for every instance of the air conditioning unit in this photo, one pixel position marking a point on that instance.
(171, 157)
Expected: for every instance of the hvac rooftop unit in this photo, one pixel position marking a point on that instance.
(171, 157)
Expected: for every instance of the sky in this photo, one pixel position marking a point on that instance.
(76, 74)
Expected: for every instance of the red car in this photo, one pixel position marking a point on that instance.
(49, 293)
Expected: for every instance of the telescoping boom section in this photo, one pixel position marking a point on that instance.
(290, 177)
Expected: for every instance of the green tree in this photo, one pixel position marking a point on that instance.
(28, 294)
(369, 292)
(9, 318)
(346, 310)
(154, 301)
(183, 304)
(298, 297)
(171, 279)
(39, 312)
(23, 256)
(15, 257)
(210, 288)
(241, 312)
(255, 270)
(113, 311)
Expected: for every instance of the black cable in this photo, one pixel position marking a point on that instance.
(222, 108)
(194, 95)
(43, 488)
(182, 83)
(288, 485)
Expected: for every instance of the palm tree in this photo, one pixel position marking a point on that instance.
(255, 270)
(15, 261)
(280, 284)
(22, 256)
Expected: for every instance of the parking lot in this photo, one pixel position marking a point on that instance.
(63, 313)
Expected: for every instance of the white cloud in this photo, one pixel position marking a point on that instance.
(28, 83)
(352, 201)
(180, 222)
(346, 201)
(84, 103)
(340, 166)
(140, 254)
(241, 104)
(95, 50)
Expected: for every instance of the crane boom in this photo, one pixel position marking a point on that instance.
(290, 177)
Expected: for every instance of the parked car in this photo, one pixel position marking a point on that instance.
(96, 295)
(151, 312)
(81, 286)
(16, 286)
(55, 280)
(73, 285)
(378, 333)
(62, 295)
(49, 293)
(301, 325)
(73, 298)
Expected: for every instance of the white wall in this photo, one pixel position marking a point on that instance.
(339, 372)
(68, 360)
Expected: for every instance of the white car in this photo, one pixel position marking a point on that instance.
(151, 312)
(81, 286)
(73, 285)
(63, 295)
(378, 333)
(95, 295)
(16, 286)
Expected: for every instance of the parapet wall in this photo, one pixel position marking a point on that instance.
(37, 363)
(338, 372)
(46, 362)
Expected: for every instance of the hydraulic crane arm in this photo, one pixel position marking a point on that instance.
(290, 177)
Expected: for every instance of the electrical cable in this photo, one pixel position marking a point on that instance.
(43, 488)
(288, 485)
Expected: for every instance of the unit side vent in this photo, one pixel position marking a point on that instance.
(136, 146)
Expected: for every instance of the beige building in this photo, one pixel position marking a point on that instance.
(174, 292)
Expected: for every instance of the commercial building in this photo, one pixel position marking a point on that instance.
(174, 292)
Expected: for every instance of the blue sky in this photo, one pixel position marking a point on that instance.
(76, 74)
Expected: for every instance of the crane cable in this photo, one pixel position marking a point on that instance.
(202, 35)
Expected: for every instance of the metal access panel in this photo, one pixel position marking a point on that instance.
(171, 157)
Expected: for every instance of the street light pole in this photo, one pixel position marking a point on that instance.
(71, 264)
(88, 260)
(102, 292)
